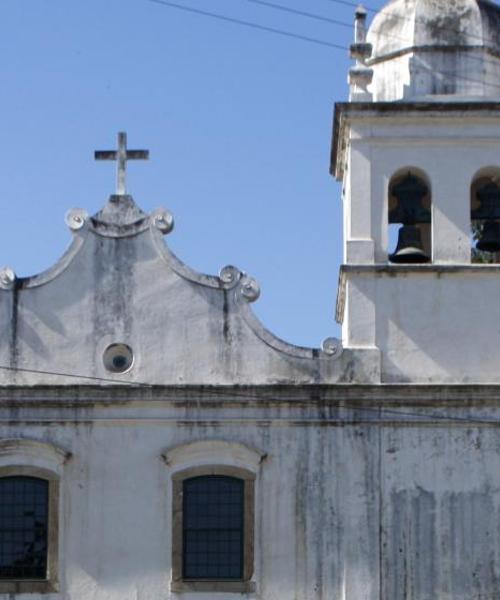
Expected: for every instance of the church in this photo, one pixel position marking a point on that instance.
(158, 443)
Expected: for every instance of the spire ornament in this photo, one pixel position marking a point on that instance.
(360, 75)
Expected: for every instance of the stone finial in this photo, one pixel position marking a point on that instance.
(76, 218)
(250, 289)
(332, 347)
(360, 75)
(163, 220)
(229, 276)
(360, 25)
(7, 278)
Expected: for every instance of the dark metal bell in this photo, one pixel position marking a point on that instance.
(409, 249)
(409, 209)
(489, 203)
(490, 237)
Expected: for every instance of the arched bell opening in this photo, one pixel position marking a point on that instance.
(409, 205)
(485, 216)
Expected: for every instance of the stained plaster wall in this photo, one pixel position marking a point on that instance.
(119, 283)
(423, 48)
(423, 74)
(354, 500)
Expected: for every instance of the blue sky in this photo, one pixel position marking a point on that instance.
(238, 123)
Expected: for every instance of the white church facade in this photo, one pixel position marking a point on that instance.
(158, 443)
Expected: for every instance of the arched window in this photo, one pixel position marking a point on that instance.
(410, 217)
(213, 528)
(30, 472)
(485, 216)
(24, 521)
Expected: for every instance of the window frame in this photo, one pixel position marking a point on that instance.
(244, 585)
(51, 582)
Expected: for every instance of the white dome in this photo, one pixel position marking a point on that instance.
(435, 48)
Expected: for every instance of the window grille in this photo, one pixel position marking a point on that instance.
(213, 528)
(23, 527)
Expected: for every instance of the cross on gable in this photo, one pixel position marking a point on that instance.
(122, 155)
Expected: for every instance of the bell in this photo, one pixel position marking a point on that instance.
(409, 194)
(409, 249)
(489, 203)
(490, 237)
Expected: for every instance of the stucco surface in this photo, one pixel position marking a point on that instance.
(430, 326)
(119, 283)
(354, 499)
(434, 47)
(437, 322)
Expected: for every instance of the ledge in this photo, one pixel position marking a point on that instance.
(28, 586)
(343, 110)
(417, 106)
(248, 396)
(392, 270)
(239, 587)
(449, 48)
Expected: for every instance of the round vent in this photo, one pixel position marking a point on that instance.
(118, 358)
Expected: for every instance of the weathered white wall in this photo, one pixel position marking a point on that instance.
(430, 325)
(119, 283)
(428, 49)
(436, 322)
(358, 512)
(426, 75)
(449, 147)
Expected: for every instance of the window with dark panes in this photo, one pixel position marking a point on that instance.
(213, 528)
(23, 527)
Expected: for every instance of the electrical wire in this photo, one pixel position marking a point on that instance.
(302, 13)
(280, 7)
(73, 376)
(251, 24)
(317, 41)
(350, 25)
(382, 11)
(232, 393)
(331, 21)
(346, 24)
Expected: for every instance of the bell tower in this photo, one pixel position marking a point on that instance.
(417, 149)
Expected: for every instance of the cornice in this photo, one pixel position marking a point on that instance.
(343, 111)
(382, 394)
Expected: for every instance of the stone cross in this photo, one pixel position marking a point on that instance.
(122, 155)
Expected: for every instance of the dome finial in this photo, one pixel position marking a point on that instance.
(360, 76)
(360, 23)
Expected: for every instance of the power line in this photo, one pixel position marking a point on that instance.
(280, 7)
(381, 11)
(353, 4)
(232, 393)
(251, 24)
(290, 34)
(302, 13)
(73, 376)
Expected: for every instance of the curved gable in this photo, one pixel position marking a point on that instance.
(120, 284)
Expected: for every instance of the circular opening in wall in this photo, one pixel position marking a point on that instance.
(118, 358)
